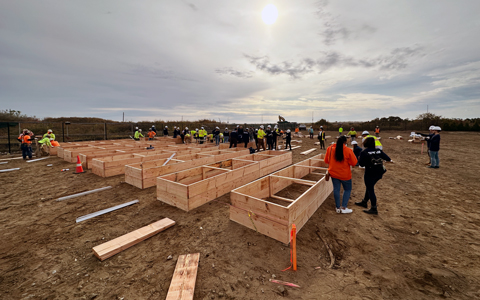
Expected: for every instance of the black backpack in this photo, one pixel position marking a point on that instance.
(377, 165)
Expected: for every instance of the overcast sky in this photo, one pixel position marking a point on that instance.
(161, 60)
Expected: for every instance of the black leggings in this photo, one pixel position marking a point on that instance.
(288, 143)
(233, 142)
(370, 189)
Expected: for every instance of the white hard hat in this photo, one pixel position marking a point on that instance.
(49, 130)
(321, 127)
(261, 126)
(136, 127)
(217, 127)
(226, 128)
(288, 130)
(202, 128)
(269, 126)
(51, 139)
(186, 128)
(153, 125)
(196, 129)
(354, 143)
(437, 128)
(140, 130)
(166, 126)
(365, 132)
(276, 126)
(431, 127)
(174, 127)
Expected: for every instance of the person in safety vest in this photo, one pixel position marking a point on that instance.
(137, 135)
(321, 138)
(340, 130)
(26, 139)
(50, 132)
(260, 136)
(151, 134)
(377, 131)
(366, 134)
(202, 134)
(352, 133)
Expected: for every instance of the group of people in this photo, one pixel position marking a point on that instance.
(340, 158)
(27, 137)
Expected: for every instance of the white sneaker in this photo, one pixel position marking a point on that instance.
(338, 210)
(346, 210)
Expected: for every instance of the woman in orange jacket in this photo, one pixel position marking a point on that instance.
(339, 159)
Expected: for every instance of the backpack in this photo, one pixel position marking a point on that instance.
(377, 165)
(251, 150)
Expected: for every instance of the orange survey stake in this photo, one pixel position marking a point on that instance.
(294, 246)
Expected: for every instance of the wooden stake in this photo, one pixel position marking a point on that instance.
(294, 247)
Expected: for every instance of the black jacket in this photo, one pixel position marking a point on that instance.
(365, 160)
(435, 143)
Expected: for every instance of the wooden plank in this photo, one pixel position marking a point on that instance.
(128, 240)
(184, 277)
(308, 151)
(299, 181)
(281, 198)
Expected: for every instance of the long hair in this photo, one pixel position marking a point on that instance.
(339, 149)
(369, 142)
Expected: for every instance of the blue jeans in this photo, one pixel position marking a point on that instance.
(347, 190)
(434, 160)
(225, 139)
(217, 140)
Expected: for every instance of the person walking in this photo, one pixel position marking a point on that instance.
(233, 138)
(321, 138)
(339, 159)
(434, 148)
(311, 132)
(288, 139)
(226, 134)
(352, 133)
(371, 159)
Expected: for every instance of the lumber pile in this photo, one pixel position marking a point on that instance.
(194, 187)
(184, 277)
(128, 240)
(257, 206)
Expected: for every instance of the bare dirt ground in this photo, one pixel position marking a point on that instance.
(424, 244)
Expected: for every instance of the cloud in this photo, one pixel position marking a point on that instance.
(192, 6)
(397, 59)
(233, 72)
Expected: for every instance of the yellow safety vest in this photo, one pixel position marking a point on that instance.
(260, 134)
(377, 142)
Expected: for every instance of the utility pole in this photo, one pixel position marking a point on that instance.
(123, 119)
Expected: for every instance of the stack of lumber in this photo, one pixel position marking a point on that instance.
(251, 208)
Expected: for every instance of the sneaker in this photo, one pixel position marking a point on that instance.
(431, 167)
(338, 210)
(436, 167)
(371, 211)
(346, 210)
(362, 204)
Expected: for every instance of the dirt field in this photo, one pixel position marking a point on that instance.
(424, 244)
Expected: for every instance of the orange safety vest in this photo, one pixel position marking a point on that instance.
(377, 130)
(151, 134)
(296, 129)
(26, 139)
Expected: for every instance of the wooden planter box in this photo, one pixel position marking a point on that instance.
(269, 204)
(143, 175)
(194, 187)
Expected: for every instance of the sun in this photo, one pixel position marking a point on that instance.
(269, 14)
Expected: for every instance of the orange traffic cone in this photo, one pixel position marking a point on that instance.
(79, 168)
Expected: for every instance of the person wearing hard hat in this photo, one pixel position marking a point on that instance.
(174, 132)
(216, 135)
(260, 137)
(185, 135)
(356, 150)
(154, 129)
(428, 138)
(352, 133)
(151, 134)
(269, 135)
(377, 131)
(202, 133)
(26, 139)
(276, 134)
(246, 137)
(165, 131)
(321, 138)
(195, 134)
(434, 148)
(288, 139)
(138, 134)
(340, 130)
(366, 134)
(50, 132)
(226, 135)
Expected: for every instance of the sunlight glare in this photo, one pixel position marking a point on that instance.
(269, 14)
